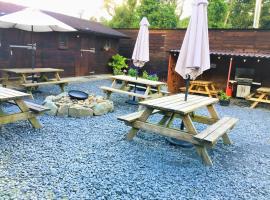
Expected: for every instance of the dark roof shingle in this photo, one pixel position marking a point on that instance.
(77, 23)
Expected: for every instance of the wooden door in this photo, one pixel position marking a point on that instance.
(87, 56)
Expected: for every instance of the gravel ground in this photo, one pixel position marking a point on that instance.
(88, 158)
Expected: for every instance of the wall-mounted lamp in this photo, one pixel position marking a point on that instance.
(245, 60)
(258, 60)
(219, 57)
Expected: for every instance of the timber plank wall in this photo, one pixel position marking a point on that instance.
(162, 41)
(72, 59)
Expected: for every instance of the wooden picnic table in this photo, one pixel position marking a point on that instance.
(173, 107)
(29, 111)
(152, 88)
(202, 87)
(261, 95)
(23, 77)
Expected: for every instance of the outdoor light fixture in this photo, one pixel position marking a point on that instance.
(245, 60)
(258, 60)
(219, 57)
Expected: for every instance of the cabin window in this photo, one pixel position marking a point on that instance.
(63, 41)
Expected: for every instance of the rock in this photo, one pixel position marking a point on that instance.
(53, 108)
(79, 111)
(103, 108)
(63, 110)
(49, 98)
(59, 96)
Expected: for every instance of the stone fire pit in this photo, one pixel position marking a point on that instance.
(63, 105)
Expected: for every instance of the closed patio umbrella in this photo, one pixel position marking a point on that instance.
(34, 20)
(194, 57)
(141, 50)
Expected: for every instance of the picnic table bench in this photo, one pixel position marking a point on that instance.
(174, 107)
(30, 79)
(29, 110)
(201, 87)
(261, 95)
(152, 88)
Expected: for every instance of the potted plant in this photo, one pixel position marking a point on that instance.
(118, 63)
(132, 72)
(224, 99)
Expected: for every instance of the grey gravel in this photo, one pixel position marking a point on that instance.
(88, 158)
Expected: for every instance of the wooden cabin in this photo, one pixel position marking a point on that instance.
(80, 53)
(249, 49)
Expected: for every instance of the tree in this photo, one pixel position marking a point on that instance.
(125, 15)
(242, 14)
(217, 11)
(160, 13)
(265, 15)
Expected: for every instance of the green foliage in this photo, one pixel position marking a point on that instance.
(265, 15)
(132, 72)
(125, 15)
(183, 23)
(145, 74)
(217, 11)
(118, 63)
(242, 14)
(153, 77)
(222, 95)
(160, 13)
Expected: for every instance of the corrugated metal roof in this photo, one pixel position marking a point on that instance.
(77, 23)
(235, 53)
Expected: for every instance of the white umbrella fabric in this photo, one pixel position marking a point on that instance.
(141, 50)
(194, 57)
(30, 19)
(34, 20)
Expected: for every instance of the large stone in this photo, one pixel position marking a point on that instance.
(49, 99)
(79, 111)
(59, 96)
(103, 108)
(63, 110)
(53, 108)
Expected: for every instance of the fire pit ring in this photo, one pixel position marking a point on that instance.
(76, 94)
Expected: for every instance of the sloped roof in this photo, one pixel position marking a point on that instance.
(234, 53)
(81, 25)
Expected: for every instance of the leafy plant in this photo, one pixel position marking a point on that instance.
(132, 72)
(222, 95)
(117, 71)
(145, 74)
(118, 63)
(153, 77)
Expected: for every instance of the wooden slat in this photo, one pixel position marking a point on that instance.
(138, 80)
(123, 92)
(36, 107)
(9, 94)
(213, 132)
(169, 132)
(152, 89)
(30, 70)
(133, 116)
(44, 83)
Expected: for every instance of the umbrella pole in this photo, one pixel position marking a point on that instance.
(187, 87)
(135, 87)
(33, 53)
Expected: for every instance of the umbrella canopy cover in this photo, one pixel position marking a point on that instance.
(141, 50)
(31, 19)
(194, 57)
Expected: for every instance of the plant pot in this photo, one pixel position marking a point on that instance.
(224, 102)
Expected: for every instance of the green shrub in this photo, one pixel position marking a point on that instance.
(145, 74)
(132, 72)
(153, 77)
(117, 71)
(222, 95)
(118, 63)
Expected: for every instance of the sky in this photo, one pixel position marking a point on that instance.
(87, 8)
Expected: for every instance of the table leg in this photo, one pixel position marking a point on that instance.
(201, 150)
(143, 118)
(208, 91)
(213, 88)
(256, 102)
(2, 113)
(5, 79)
(23, 107)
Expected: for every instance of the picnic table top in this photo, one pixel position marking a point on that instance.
(9, 94)
(177, 104)
(201, 82)
(264, 90)
(30, 70)
(138, 80)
